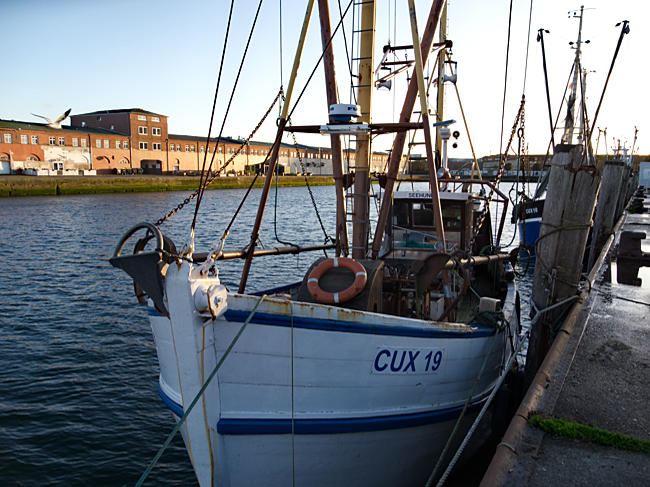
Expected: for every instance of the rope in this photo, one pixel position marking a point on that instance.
(624, 30)
(311, 194)
(497, 386)
(225, 117)
(462, 414)
(325, 47)
(505, 80)
(221, 169)
(214, 106)
(180, 422)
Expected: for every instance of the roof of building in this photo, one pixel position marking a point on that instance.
(16, 124)
(119, 110)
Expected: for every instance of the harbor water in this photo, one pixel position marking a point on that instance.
(78, 369)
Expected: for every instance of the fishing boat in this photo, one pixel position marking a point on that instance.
(379, 358)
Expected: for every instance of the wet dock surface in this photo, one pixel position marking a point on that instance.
(601, 380)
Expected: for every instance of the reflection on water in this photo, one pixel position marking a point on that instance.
(78, 369)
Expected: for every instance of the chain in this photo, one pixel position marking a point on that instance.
(220, 170)
(311, 195)
(502, 161)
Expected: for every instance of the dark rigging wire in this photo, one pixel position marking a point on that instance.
(295, 105)
(232, 95)
(214, 104)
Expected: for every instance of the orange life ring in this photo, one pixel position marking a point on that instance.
(360, 278)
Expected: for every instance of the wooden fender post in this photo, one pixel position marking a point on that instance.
(568, 209)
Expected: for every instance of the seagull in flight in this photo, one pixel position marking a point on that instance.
(56, 124)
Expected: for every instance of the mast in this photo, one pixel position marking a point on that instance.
(400, 138)
(569, 121)
(442, 53)
(275, 149)
(360, 223)
(335, 140)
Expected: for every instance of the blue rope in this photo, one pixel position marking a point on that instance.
(197, 397)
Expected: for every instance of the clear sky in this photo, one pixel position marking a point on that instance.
(163, 56)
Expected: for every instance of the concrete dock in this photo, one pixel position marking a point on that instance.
(598, 376)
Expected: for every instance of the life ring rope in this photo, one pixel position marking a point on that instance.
(325, 297)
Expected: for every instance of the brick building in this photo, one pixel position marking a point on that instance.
(137, 140)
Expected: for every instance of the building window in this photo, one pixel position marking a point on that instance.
(107, 144)
(126, 144)
(178, 147)
(144, 145)
(84, 143)
(52, 140)
(34, 139)
(156, 131)
(202, 148)
(57, 166)
(155, 119)
(61, 140)
(75, 142)
(171, 147)
(187, 148)
(157, 146)
(124, 161)
(98, 143)
(142, 130)
(142, 117)
(220, 150)
(23, 139)
(7, 138)
(118, 144)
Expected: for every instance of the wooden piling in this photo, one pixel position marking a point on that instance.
(568, 210)
(606, 208)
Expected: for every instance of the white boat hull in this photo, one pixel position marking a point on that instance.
(319, 395)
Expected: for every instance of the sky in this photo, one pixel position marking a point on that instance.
(164, 56)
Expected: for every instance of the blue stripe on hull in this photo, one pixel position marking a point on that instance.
(175, 408)
(478, 331)
(352, 327)
(251, 426)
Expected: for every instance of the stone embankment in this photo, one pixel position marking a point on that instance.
(65, 185)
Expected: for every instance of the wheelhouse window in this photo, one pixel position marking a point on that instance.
(423, 215)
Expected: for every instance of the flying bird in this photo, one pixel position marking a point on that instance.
(56, 124)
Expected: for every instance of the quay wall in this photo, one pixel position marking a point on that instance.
(15, 185)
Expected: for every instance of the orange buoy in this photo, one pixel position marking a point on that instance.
(325, 297)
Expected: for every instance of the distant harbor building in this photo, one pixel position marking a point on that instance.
(134, 140)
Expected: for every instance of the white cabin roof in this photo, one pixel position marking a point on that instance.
(419, 195)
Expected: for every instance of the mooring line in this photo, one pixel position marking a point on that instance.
(180, 422)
